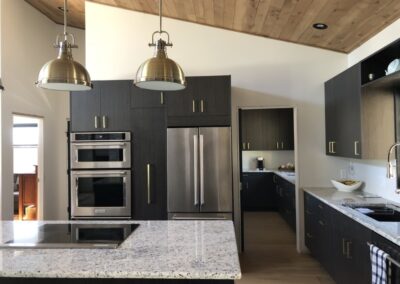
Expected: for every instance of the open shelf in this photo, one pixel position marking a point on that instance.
(390, 81)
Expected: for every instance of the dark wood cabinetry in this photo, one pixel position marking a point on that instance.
(267, 129)
(338, 242)
(258, 192)
(206, 101)
(142, 98)
(343, 114)
(149, 164)
(286, 200)
(104, 108)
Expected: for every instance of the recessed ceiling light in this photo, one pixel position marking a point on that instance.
(320, 26)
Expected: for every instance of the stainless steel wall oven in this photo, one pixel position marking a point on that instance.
(100, 177)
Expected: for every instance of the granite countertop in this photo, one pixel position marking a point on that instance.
(289, 176)
(336, 199)
(155, 250)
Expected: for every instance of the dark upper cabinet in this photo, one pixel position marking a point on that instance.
(104, 108)
(149, 163)
(142, 98)
(85, 109)
(267, 129)
(258, 192)
(343, 114)
(206, 101)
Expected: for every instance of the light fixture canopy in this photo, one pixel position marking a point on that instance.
(160, 73)
(63, 73)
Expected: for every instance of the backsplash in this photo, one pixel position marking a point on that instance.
(373, 174)
(272, 159)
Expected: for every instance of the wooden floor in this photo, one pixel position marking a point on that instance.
(270, 254)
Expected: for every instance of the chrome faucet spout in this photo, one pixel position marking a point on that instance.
(390, 167)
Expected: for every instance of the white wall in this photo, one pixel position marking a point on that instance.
(272, 159)
(264, 73)
(27, 38)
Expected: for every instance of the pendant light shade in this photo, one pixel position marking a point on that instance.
(63, 73)
(160, 73)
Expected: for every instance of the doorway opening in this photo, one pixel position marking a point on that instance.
(27, 166)
(267, 174)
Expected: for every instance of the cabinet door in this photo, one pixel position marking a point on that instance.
(181, 104)
(142, 98)
(85, 109)
(115, 105)
(285, 129)
(149, 164)
(343, 113)
(257, 191)
(213, 95)
(252, 122)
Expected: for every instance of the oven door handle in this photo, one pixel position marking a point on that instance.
(95, 173)
(97, 144)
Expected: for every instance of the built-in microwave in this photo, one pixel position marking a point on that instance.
(100, 150)
(101, 194)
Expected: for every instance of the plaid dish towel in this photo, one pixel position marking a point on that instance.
(378, 265)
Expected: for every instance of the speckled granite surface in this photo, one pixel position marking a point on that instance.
(336, 199)
(289, 176)
(156, 249)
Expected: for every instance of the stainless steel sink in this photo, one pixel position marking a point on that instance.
(379, 212)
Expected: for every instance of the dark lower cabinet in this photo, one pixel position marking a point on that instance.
(286, 200)
(258, 192)
(337, 242)
(149, 164)
(394, 252)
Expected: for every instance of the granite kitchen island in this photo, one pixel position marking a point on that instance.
(156, 252)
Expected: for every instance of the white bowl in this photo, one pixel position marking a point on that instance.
(346, 188)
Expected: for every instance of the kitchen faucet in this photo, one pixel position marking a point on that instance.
(390, 167)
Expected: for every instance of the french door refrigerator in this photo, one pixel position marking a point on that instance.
(199, 173)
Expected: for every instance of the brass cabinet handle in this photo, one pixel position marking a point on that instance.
(343, 246)
(356, 148)
(96, 121)
(148, 184)
(248, 145)
(281, 145)
(244, 146)
(277, 145)
(201, 106)
(104, 121)
(194, 106)
(329, 147)
(348, 247)
(333, 147)
(162, 98)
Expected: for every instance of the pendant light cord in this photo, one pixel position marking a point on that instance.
(65, 18)
(160, 11)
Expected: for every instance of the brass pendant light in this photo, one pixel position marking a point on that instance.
(63, 73)
(160, 73)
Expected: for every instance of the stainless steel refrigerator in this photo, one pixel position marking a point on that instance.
(199, 173)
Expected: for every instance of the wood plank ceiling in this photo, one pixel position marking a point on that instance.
(350, 22)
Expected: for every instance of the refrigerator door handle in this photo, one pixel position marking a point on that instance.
(201, 169)
(195, 167)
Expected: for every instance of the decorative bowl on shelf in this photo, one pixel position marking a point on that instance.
(346, 185)
(393, 67)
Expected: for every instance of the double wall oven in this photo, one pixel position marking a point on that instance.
(100, 175)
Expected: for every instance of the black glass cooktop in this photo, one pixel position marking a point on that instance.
(70, 235)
